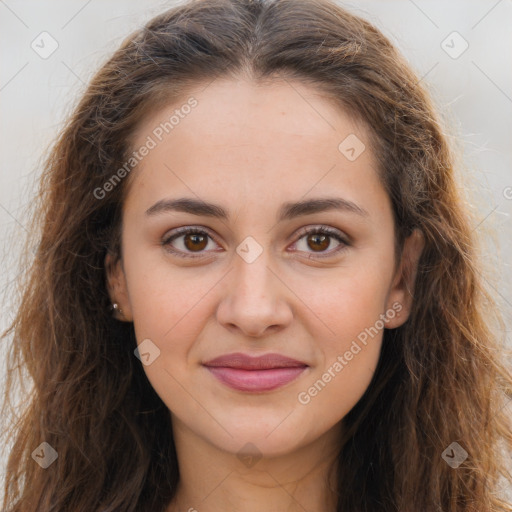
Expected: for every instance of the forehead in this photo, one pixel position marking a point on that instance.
(249, 142)
(227, 112)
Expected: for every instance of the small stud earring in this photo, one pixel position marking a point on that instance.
(115, 307)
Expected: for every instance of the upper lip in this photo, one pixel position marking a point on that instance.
(246, 362)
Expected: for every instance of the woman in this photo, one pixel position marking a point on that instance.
(256, 286)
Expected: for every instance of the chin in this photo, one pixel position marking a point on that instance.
(258, 436)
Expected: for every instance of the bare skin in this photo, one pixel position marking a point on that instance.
(249, 149)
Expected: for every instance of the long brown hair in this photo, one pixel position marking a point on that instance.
(440, 378)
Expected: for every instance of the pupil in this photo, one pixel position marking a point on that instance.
(318, 238)
(195, 238)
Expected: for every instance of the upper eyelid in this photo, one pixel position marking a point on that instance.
(184, 230)
(298, 234)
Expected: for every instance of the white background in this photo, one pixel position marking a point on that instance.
(473, 91)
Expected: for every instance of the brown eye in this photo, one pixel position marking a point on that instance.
(316, 242)
(319, 242)
(195, 242)
(187, 242)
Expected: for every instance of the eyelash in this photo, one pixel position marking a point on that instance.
(323, 230)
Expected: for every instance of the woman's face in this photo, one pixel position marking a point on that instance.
(251, 280)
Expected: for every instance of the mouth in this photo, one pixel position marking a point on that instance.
(255, 374)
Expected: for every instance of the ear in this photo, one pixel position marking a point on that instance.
(402, 288)
(116, 286)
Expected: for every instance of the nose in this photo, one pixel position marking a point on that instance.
(255, 299)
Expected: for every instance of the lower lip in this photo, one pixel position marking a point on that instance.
(255, 380)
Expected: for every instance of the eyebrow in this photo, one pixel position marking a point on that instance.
(287, 211)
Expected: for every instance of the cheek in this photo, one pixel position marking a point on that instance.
(343, 306)
(170, 309)
(346, 317)
(165, 300)
(335, 389)
(349, 338)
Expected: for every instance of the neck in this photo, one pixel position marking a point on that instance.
(214, 480)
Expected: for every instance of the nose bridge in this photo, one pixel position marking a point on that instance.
(252, 273)
(252, 280)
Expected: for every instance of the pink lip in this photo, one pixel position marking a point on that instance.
(263, 373)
